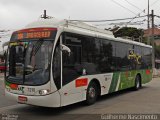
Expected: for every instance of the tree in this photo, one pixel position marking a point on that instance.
(128, 32)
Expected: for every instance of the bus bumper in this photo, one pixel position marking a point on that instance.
(51, 100)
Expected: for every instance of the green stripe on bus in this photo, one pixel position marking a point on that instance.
(114, 82)
(127, 79)
(7, 83)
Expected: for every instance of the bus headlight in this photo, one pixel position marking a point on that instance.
(44, 92)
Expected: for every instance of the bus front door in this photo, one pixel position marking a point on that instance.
(71, 70)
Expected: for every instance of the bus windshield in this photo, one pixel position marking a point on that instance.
(29, 61)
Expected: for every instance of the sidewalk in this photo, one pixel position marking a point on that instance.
(1, 76)
(156, 73)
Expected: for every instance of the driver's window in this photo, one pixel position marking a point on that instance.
(16, 60)
(19, 54)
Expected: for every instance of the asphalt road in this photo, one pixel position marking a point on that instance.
(3, 100)
(143, 101)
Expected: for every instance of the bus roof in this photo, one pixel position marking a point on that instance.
(80, 28)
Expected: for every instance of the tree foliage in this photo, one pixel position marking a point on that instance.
(128, 31)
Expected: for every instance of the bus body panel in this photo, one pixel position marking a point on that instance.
(110, 83)
(70, 94)
(51, 100)
(29, 90)
(76, 92)
(146, 75)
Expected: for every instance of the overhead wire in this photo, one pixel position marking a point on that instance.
(131, 18)
(124, 7)
(133, 5)
(132, 23)
(157, 22)
(130, 11)
(157, 16)
(140, 22)
(156, 9)
(143, 11)
(154, 2)
(108, 19)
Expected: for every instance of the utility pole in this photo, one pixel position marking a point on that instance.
(148, 26)
(153, 50)
(148, 15)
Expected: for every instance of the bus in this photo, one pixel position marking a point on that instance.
(54, 63)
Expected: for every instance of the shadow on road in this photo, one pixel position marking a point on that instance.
(120, 93)
(44, 111)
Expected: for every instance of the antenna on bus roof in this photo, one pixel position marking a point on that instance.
(45, 16)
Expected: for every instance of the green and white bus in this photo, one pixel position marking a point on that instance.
(54, 63)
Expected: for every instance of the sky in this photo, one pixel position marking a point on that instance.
(15, 14)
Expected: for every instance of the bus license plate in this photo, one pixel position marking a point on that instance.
(22, 99)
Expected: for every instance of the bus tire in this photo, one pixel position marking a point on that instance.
(92, 93)
(137, 82)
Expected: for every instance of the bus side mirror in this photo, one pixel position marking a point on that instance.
(65, 48)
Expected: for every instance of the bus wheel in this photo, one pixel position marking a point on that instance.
(92, 93)
(137, 82)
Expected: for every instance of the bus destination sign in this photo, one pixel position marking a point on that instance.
(31, 35)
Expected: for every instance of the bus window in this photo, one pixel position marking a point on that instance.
(72, 67)
(16, 55)
(29, 61)
(138, 59)
(147, 58)
(71, 64)
(91, 55)
(122, 50)
(107, 61)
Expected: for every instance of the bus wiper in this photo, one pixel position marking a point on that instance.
(37, 46)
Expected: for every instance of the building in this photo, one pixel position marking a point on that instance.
(148, 33)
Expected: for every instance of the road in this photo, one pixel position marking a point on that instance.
(143, 101)
(3, 100)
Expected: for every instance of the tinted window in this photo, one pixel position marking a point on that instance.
(107, 57)
(91, 55)
(122, 52)
(138, 57)
(147, 58)
(71, 63)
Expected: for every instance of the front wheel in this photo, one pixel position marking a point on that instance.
(92, 93)
(137, 83)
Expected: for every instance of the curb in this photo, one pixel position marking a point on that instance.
(156, 76)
